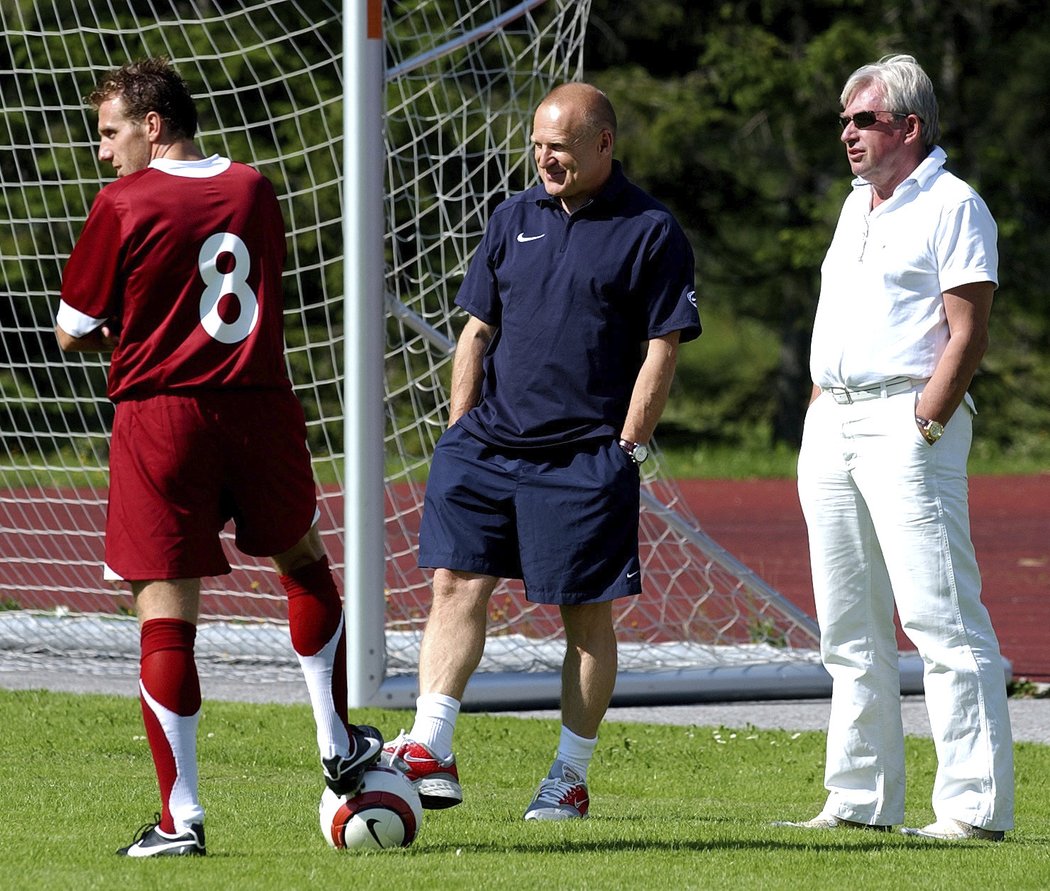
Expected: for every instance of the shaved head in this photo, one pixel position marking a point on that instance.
(573, 132)
(588, 106)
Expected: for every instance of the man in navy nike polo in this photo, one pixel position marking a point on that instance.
(578, 297)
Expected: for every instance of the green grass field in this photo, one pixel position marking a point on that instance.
(672, 807)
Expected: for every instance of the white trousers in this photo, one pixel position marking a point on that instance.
(888, 522)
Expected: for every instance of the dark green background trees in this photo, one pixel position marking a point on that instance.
(727, 113)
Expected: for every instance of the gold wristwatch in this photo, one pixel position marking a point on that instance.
(931, 430)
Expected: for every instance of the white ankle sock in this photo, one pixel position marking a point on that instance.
(435, 722)
(576, 751)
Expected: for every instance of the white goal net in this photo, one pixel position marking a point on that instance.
(462, 79)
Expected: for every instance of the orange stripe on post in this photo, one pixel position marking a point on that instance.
(375, 19)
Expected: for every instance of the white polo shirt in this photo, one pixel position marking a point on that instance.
(881, 312)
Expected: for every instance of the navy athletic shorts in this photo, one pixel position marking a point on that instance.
(565, 521)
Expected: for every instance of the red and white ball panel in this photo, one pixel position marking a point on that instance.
(385, 813)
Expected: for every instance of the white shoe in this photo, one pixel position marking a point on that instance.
(831, 821)
(954, 830)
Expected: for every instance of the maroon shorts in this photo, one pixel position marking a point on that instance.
(181, 467)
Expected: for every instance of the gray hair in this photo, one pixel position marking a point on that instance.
(906, 88)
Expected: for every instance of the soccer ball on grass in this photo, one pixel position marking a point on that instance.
(385, 813)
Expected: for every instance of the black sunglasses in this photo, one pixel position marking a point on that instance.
(864, 119)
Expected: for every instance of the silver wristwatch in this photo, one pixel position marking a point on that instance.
(638, 452)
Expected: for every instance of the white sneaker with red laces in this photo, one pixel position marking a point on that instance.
(562, 796)
(435, 779)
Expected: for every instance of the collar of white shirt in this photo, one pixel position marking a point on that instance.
(930, 166)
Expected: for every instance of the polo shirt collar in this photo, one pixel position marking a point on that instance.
(608, 193)
(931, 165)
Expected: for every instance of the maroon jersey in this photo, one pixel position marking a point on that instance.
(186, 258)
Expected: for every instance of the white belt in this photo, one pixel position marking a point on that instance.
(848, 395)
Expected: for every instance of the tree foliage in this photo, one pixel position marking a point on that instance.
(728, 115)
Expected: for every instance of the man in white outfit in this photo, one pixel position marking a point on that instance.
(901, 326)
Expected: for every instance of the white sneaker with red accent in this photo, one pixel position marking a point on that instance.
(435, 779)
(562, 796)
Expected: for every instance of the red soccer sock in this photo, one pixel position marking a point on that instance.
(315, 615)
(171, 700)
(314, 606)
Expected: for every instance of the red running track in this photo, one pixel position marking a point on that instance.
(760, 523)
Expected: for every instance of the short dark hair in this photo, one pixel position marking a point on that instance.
(150, 85)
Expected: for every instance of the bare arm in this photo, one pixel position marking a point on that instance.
(968, 309)
(101, 340)
(468, 367)
(651, 388)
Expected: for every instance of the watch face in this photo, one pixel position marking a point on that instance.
(636, 451)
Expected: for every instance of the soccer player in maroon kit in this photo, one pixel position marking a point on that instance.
(178, 273)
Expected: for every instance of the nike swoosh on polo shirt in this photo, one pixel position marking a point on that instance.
(522, 237)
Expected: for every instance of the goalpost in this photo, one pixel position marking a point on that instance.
(385, 196)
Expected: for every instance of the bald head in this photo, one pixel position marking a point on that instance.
(573, 133)
(588, 105)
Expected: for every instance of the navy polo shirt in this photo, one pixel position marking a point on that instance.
(573, 298)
